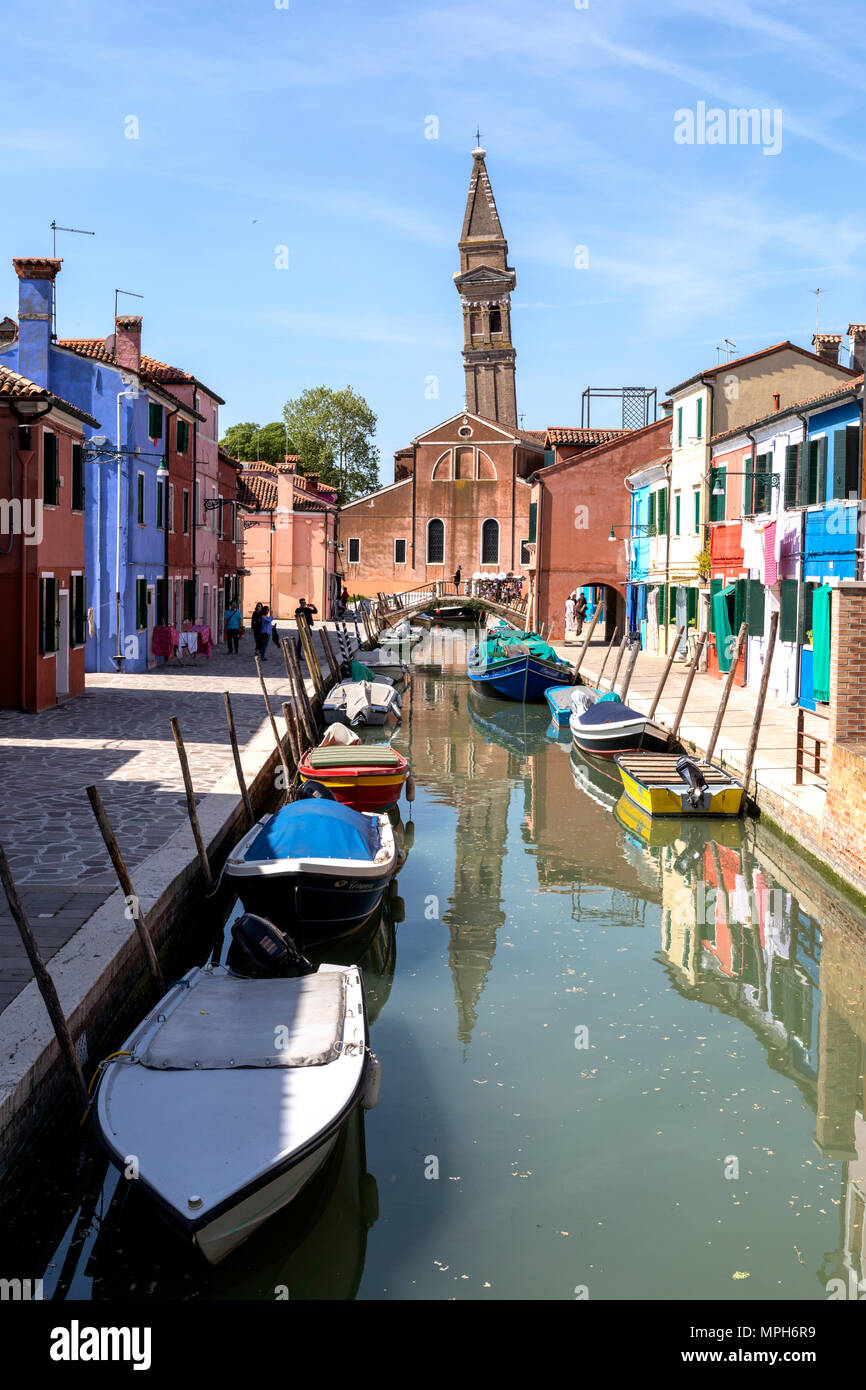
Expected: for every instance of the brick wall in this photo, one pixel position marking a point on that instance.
(844, 828)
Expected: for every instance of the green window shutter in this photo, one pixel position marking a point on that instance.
(50, 472)
(805, 622)
(852, 461)
(663, 511)
(788, 613)
(77, 478)
(718, 503)
(763, 489)
(533, 520)
(161, 614)
(697, 510)
(154, 426)
(549, 457)
(677, 501)
(792, 465)
(651, 514)
(679, 425)
(741, 595)
(77, 626)
(692, 605)
(672, 603)
(182, 436)
(141, 603)
(749, 486)
(700, 417)
(839, 466)
(660, 604)
(189, 599)
(141, 499)
(755, 608)
(814, 473)
(159, 504)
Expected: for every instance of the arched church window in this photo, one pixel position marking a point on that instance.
(495, 320)
(486, 467)
(442, 468)
(490, 542)
(435, 542)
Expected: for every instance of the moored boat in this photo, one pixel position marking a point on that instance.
(517, 665)
(232, 1094)
(315, 868)
(367, 777)
(559, 701)
(603, 726)
(357, 704)
(664, 784)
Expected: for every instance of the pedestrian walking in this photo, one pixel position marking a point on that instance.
(457, 579)
(303, 614)
(233, 628)
(569, 617)
(580, 612)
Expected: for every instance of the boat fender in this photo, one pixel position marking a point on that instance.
(372, 1081)
(693, 777)
(410, 788)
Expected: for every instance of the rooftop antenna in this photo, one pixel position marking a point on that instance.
(117, 292)
(79, 231)
(817, 294)
(730, 349)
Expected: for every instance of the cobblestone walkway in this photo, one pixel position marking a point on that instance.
(117, 736)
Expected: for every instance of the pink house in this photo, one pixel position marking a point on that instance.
(288, 544)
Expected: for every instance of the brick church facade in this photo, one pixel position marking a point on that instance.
(460, 495)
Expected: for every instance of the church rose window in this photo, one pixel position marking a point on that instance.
(436, 542)
(490, 542)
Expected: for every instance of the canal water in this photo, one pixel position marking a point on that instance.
(620, 1059)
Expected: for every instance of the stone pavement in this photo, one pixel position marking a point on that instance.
(775, 758)
(117, 736)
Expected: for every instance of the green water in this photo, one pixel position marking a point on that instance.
(615, 1057)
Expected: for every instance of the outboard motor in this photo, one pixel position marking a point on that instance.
(314, 788)
(259, 949)
(694, 779)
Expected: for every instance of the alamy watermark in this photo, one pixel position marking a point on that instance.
(739, 125)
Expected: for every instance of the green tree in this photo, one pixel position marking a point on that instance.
(333, 433)
(249, 440)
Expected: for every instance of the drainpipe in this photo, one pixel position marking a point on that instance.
(119, 656)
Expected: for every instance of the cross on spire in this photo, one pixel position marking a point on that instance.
(477, 137)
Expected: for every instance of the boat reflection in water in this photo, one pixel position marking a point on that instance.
(520, 728)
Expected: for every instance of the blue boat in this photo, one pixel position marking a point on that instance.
(316, 869)
(517, 665)
(558, 698)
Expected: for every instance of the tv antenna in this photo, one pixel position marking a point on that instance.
(55, 228)
(131, 292)
(817, 294)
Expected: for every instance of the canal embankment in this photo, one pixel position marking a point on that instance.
(122, 742)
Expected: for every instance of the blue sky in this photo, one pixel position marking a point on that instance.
(304, 127)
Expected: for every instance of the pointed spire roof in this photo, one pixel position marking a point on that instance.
(481, 218)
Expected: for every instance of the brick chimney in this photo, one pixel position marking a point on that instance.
(127, 341)
(36, 276)
(776, 400)
(857, 334)
(826, 345)
(8, 331)
(312, 481)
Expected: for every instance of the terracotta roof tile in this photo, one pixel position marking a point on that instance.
(257, 493)
(572, 435)
(14, 387)
(151, 368)
(753, 357)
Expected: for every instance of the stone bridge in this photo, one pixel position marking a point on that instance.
(426, 598)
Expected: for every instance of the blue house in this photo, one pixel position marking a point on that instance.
(642, 520)
(126, 497)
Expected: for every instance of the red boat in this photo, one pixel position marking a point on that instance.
(366, 776)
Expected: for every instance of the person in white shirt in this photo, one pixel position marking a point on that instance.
(569, 616)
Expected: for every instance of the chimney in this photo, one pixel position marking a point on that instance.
(36, 276)
(826, 345)
(776, 400)
(127, 342)
(8, 332)
(312, 481)
(857, 334)
(667, 409)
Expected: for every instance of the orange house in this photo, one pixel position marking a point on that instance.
(726, 549)
(288, 538)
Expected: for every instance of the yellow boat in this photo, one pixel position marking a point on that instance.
(655, 832)
(664, 784)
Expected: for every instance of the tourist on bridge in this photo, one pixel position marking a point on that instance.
(457, 579)
(303, 614)
(233, 627)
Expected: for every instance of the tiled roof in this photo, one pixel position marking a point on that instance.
(753, 357)
(14, 387)
(257, 493)
(572, 435)
(151, 368)
(840, 390)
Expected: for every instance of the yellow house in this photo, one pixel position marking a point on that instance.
(708, 404)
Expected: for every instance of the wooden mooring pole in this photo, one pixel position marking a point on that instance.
(313, 666)
(236, 754)
(762, 698)
(665, 673)
(723, 703)
(606, 655)
(693, 667)
(132, 900)
(595, 617)
(626, 680)
(292, 731)
(330, 657)
(619, 656)
(190, 802)
(299, 690)
(44, 982)
(279, 742)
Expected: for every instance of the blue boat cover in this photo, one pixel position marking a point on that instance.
(607, 712)
(316, 830)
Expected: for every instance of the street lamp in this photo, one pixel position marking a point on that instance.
(640, 528)
(719, 486)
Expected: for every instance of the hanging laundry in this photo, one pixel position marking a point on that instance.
(771, 568)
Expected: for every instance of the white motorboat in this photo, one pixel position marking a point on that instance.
(361, 703)
(233, 1092)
